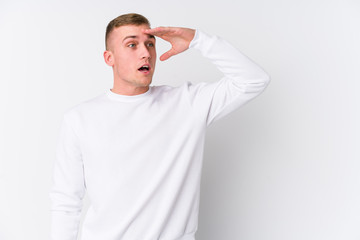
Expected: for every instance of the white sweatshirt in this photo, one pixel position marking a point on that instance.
(139, 157)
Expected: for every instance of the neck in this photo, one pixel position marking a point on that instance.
(130, 91)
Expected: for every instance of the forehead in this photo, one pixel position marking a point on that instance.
(122, 32)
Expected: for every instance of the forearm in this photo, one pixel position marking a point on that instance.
(246, 74)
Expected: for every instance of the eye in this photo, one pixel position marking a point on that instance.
(131, 45)
(150, 44)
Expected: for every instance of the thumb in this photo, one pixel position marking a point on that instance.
(168, 54)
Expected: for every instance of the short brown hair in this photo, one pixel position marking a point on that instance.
(125, 19)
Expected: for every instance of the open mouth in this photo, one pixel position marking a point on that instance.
(144, 68)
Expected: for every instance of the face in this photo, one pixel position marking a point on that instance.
(132, 55)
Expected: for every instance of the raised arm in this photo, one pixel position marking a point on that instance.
(243, 79)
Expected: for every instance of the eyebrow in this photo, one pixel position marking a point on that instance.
(134, 36)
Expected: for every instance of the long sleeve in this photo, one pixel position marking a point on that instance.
(68, 185)
(243, 79)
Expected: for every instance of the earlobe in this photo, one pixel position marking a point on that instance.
(108, 57)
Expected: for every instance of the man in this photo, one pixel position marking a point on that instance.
(137, 149)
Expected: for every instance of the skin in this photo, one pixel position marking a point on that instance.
(131, 46)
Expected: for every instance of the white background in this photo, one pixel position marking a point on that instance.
(286, 166)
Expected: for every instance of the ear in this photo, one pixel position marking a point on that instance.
(109, 58)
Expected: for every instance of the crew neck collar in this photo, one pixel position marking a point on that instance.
(127, 98)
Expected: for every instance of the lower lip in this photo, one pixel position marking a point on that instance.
(145, 72)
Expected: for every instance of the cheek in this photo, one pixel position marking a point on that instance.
(123, 66)
(124, 61)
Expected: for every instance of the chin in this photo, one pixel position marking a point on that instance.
(145, 83)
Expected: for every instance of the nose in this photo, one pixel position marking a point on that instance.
(145, 53)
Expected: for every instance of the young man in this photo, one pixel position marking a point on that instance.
(137, 149)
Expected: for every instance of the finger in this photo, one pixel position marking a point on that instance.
(168, 54)
(158, 31)
(153, 31)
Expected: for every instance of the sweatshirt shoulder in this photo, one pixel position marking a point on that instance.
(84, 106)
